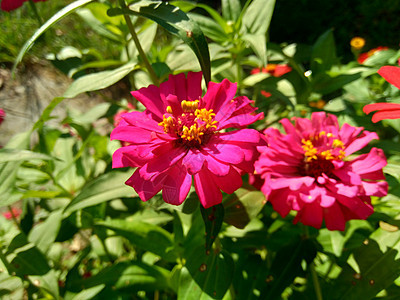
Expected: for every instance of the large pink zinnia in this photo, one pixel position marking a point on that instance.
(309, 170)
(182, 135)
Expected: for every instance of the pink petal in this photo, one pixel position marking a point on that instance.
(381, 106)
(360, 142)
(310, 214)
(378, 189)
(177, 185)
(151, 99)
(216, 167)
(193, 161)
(227, 153)
(242, 136)
(146, 189)
(219, 93)
(279, 200)
(334, 218)
(131, 156)
(370, 162)
(208, 192)
(228, 183)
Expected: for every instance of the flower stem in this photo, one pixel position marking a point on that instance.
(35, 12)
(146, 62)
(317, 286)
(14, 218)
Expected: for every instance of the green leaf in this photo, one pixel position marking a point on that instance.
(324, 83)
(258, 43)
(257, 17)
(89, 293)
(323, 55)
(176, 22)
(130, 276)
(231, 9)
(213, 218)
(104, 188)
(375, 265)
(44, 234)
(11, 287)
(210, 28)
(7, 155)
(146, 236)
(205, 276)
(97, 81)
(242, 206)
(286, 266)
(54, 19)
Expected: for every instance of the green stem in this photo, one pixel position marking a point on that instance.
(35, 12)
(317, 286)
(146, 62)
(13, 217)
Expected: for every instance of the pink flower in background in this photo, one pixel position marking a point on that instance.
(309, 170)
(118, 115)
(14, 211)
(9, 5)
(386, 110)
(273, 69)
(363, 56)
(2, 115)
(181, 136)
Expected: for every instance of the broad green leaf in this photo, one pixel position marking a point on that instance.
(258, 43)
(97, 81)
(210, 28)
(286, 266)
(231, 9)
(324, 83)
(54, 19)
(176, 22)
(242, 206)
(323, 55)
(97, 25)
(374, 266)
(104, 188)
(130, 276)
(257, 17)
(213, 218)
(93, 114)
(45, 116)
(253, 79)
(89, 293)
(216, 16)
(331, 241)
(205, 276)
(11, 287)
(380, 58)
(146, 236)
(7, 155)
(44, 234)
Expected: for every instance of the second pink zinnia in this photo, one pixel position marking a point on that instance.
(309, 170)
(181, 135)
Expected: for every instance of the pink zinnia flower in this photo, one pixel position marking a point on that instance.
(181, 135)
(386, 110)
(363, 56)
(309, 170)
(2, 115)
(273, 69)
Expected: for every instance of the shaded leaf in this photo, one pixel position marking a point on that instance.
(104, 188)
(213, 218)
(257, 17)
(146, 236)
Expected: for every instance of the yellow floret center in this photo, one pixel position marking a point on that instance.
(192, 125)
(323, 146)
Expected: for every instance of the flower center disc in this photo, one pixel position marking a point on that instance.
(319, 152)
(193, 126)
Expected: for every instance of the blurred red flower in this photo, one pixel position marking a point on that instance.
(273, 69)
(363, 56)
(2, 115)
(386, 110)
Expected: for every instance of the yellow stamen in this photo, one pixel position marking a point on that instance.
(337, 144)
(167, 123)
(169, 109)
(206, 116)
(188, 106)
(310, 151)
(192, 133)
